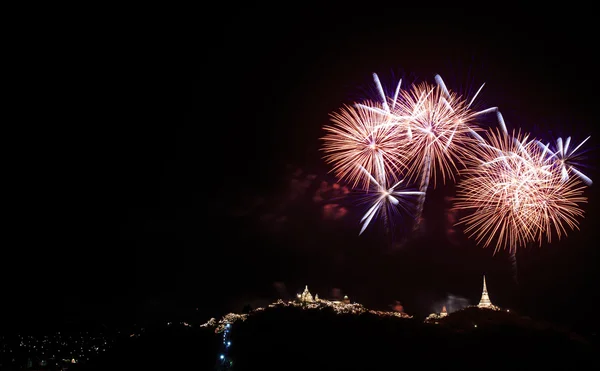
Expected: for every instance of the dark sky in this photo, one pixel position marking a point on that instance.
(192, 183)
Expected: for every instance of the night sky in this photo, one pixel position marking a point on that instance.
(197, 181)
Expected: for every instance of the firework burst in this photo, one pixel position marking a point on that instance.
(366, 137)
(415, 133)
(515, 195)
(438, 127)
(385, 201)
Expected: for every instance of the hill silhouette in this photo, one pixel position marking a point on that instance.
(294, 338)
(473, 338)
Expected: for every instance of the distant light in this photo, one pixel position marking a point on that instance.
(474, 325)
(508, 310)
(229, 324)
(228, 343)
(222, 356)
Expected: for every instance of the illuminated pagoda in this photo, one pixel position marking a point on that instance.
(485, 299)
(444, 312)
(435, 317)
(306, 296)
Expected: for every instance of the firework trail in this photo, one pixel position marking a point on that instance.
(513, 264)
(515, 194)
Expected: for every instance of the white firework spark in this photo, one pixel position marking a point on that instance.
(568, 159)
(384, 200)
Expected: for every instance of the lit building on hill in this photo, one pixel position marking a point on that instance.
(485, 301)
(444, 313)
(306, 296)
(305, 301)
(435, 317)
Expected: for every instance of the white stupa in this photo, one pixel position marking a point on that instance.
(485, 302)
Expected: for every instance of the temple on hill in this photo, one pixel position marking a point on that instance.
(444, 312)
(485, 301)
(435, 317)
(306, 296)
